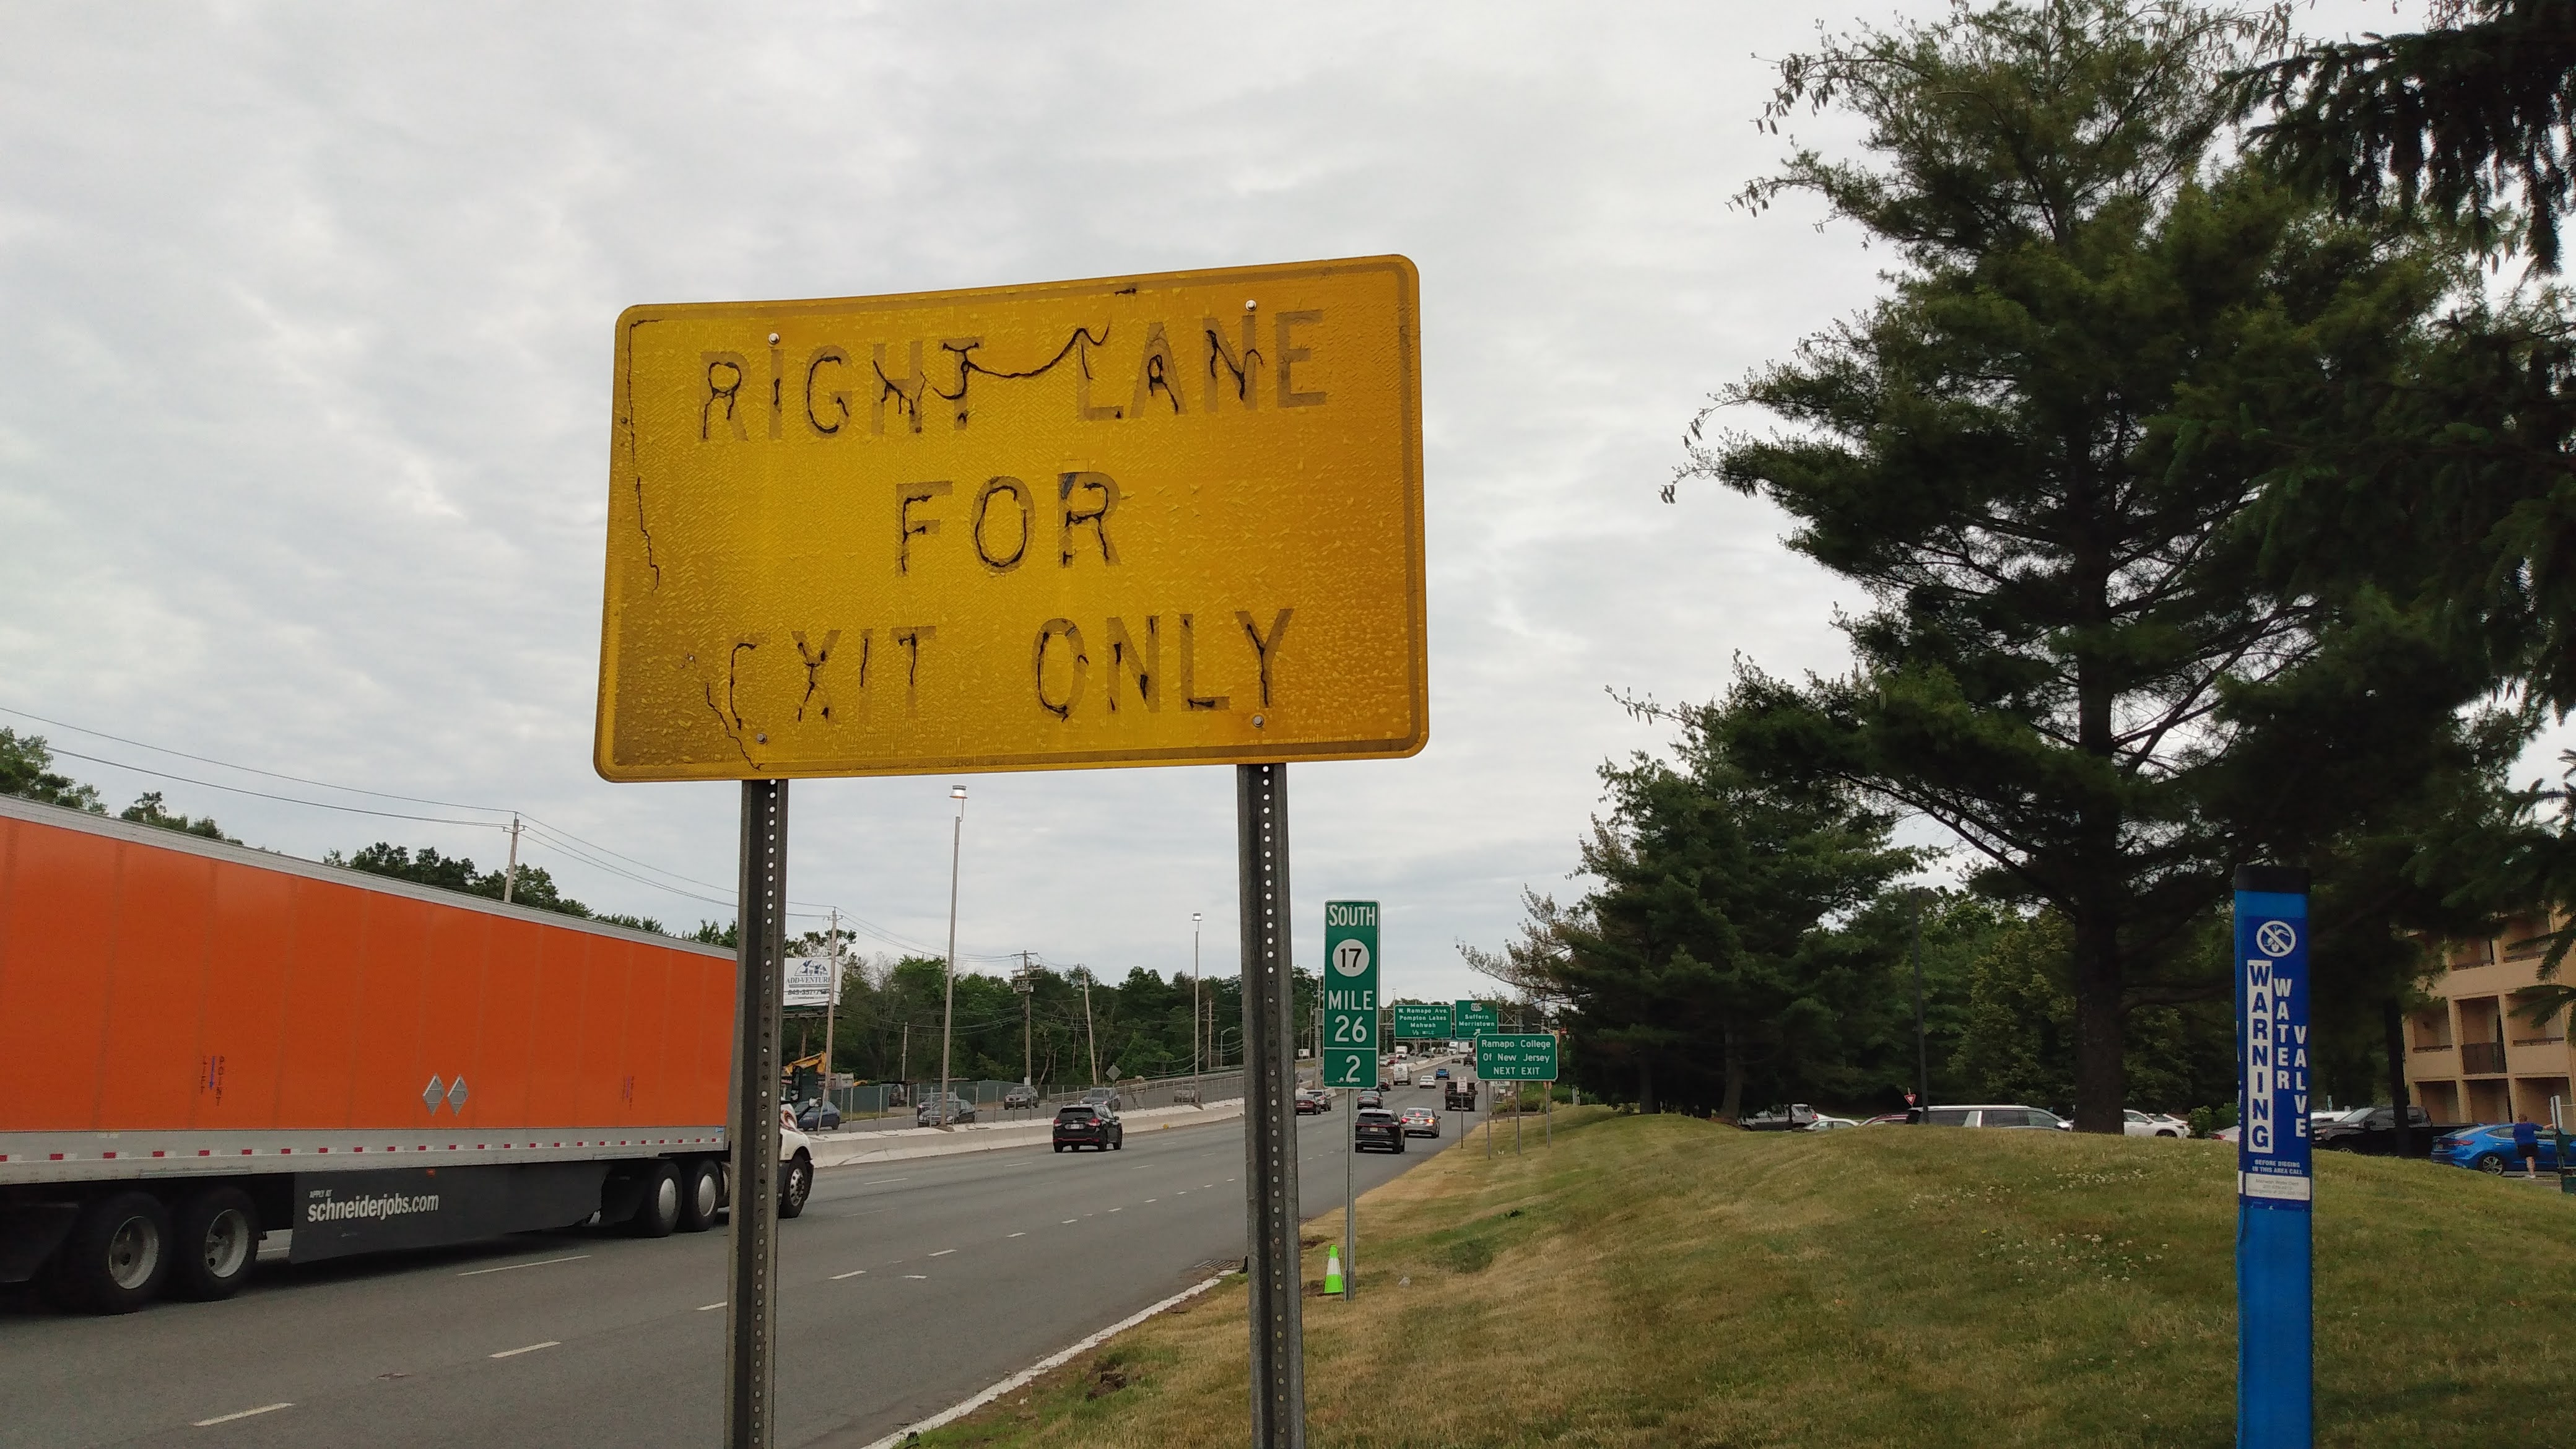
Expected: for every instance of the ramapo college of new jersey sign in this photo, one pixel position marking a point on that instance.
(1168, 519)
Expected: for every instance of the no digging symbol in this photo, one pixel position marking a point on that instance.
(2275, 939)
(1351, 958)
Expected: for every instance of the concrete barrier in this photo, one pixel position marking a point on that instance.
(857, 1149)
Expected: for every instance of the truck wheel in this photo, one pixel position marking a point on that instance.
(701, 1194)
(798, 1186)
(657, 1212)
(214, 1241)
(117, 1256)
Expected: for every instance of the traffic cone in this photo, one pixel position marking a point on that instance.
(1332, 1272)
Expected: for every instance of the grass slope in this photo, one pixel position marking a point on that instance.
(1658, 1281)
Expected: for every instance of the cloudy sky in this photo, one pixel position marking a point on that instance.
(303, 440)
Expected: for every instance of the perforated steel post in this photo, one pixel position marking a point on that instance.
(1270, 1110)
(751, 1306)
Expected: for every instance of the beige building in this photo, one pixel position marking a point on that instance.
(2469, 1057)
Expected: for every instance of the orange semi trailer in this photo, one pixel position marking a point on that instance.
(201, 1043)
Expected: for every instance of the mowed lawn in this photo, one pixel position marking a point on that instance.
(1659, 1281)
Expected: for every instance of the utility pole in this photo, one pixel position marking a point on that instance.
(1088, 1035)
(831, 1006)
(1194, 1007)
(510, 877)
(1922, 1054)
(948, 1011)
(904, 1070)
(1028, 984)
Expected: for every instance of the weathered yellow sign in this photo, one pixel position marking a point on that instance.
(1170, 519)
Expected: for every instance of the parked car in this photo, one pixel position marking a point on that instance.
(929, 1115)
(1824, 1123)
(1984, 1114)
(2224, 1134)
(1313, 1101)
(818, 1116)
(1019, 1099)
(1377, 1130)
(1421, 1122)
(2153, 1124)
(2372, 1131)
(1888, 1119)
(1080, 1124)
(2489, 1148)
(1793, 1117)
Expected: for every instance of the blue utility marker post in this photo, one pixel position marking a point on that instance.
(2275, 1330)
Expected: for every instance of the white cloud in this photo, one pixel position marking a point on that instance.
(301, 455)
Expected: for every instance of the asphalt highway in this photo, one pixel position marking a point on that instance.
(905, 1287)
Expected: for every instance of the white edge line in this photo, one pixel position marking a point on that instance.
(243, 1414)
(1045, 1365)
(506, 1267)
(531, 1348)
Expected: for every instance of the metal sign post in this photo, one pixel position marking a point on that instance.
(1350, 1044)
(1270, 1109)
(2275, 1303)
(751, 1260)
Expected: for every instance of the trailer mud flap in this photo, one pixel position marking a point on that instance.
(339, 1213)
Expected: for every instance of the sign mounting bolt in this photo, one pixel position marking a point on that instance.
(1256, 721)
(773, 339)
(760, 739)
(1250, 305)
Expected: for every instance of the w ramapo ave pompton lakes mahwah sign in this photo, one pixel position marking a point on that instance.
(1169, 519)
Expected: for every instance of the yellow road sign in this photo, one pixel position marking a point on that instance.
(1168, 519)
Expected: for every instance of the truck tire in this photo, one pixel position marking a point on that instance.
(657, 1212)
(117, 1256)
(796, 1183)
(214, 1241)
(701, 1195)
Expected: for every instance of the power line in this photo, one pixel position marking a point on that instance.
(556, 836)
(265, 795)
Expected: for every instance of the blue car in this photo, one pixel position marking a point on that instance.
(2490, 1149)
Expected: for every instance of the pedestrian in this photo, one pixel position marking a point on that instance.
(2526, 1144)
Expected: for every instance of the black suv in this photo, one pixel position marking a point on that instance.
(1377, 1130)
(2373, 1131)
(1084, 1125)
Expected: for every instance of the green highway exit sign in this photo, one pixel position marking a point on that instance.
(1476, 1018)
(1516, 1057)
(1350, 993)
(1415, 1022)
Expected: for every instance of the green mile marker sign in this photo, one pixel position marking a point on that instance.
(1350, 993)
(1415, 1022)
(1516, 1057)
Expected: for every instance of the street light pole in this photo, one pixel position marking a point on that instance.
(948, 1011)
(1922, 1055)
(1194, 1007)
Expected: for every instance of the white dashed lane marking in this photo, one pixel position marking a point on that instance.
(241, 1414)
(853, 1273)
(531, 1348)
(708, 1307)
(511, 1267)
(944, 1252)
